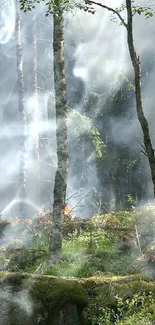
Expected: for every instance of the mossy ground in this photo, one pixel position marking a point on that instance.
(102, 297)
(51, 297)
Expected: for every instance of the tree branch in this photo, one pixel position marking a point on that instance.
(144, 149)
(90, 2)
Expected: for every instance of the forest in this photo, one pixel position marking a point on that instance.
(77, 162)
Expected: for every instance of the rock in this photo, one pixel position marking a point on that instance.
(47, 300)
(44, 300)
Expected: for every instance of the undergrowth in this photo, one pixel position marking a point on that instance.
(93, 254)
(137, 310)
(105, 245)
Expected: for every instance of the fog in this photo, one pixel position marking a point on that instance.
(97, 58)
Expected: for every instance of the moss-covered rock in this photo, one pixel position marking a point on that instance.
(58, 298)
(55, 292)
(52, 300)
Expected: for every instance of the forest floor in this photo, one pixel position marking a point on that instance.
(111, 256)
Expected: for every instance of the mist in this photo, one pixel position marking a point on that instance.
(109, 175)
(97, 60)
(20, 302)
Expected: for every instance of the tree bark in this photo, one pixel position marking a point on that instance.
(138, 93)
(36, 164)
(22, 113)
(60, 183)
(35, 80)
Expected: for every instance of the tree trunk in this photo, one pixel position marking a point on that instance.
(60, 184)
(23, 125)
(140, 112)
(36, 162)
(35, 78)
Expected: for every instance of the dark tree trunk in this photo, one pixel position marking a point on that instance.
(60, 183)
(138, 93)
(23, 124)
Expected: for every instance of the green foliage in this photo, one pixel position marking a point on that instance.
(21, 259)
(115, 304)
(98, 143)
(81, 129)
(119, 219)
(141, 318)
(87, 249)
(86, 7)
(99, 245)
(53, 6)
(78, 269)
(131, 200)
(94, 252)
(147, 11)
(78, 124)
(28, 5)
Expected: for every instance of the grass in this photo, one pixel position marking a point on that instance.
(92, 254)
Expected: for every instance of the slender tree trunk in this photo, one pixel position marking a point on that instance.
(23, 125)
(60, 184)
(35, 78)
(36, 165)
(138, 93)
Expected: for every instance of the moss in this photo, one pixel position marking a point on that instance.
(54, 293)
(100, 280)
(12, 278)
(85, 282)
(52, 297)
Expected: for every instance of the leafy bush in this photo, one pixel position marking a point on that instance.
(139, 310)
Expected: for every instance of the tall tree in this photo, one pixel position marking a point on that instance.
(36, 167)
(22, 113)
(57, 7)
(35, 78)
(135, 59)
(60, 183)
